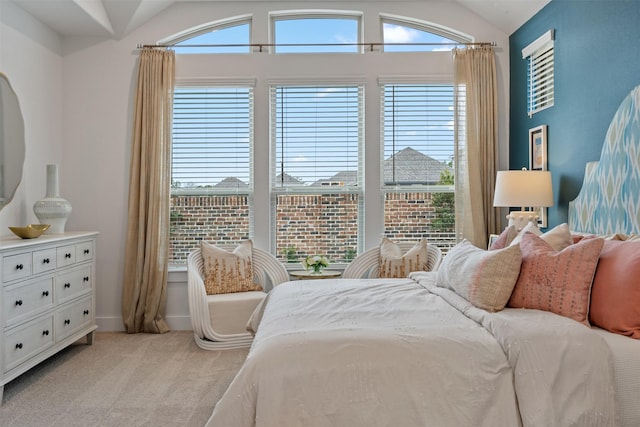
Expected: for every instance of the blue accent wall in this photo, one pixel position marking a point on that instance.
(597, 63)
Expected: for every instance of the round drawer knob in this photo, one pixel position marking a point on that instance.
(19, 302)
(67, 285)
(45, 293)
(86, 312)
(45, 332)
(19, 267)
(86, 251)
(67, 255)
(67, 322)
(46, 261)
(19, 345)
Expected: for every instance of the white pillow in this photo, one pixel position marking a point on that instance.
(484, 278)
(395, 264)
(559, 237)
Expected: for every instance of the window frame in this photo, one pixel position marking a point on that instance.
(424, 26)
(209, 27)
(540, 56)
(223, 191)
(311, 190)
(283, 15)
(396, 188)
(266, 69)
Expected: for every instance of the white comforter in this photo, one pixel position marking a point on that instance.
(401, 352)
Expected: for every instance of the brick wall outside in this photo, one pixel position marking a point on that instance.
(317, 225)
(409, 216)
(306, 224)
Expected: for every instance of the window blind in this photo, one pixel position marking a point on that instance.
(212, 138)
(316, 135)
(540, 75)
(417, 130)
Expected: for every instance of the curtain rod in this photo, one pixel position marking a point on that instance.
(261, 46)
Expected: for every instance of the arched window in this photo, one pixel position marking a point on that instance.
(319, 32)
(406, 35)
(228, 36)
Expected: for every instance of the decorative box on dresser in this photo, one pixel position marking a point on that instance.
(47, 300)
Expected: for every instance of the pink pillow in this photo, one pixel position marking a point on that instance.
(559, 282)
(615, 296)
(503, 240)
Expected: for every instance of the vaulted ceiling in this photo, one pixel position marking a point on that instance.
(116, 18)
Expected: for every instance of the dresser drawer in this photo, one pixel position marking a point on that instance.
(66, 255)
(73, 317)
(25, 341)
(27, 298)
(16, 266)
(84, 251)
(72, 283)
(44, 260)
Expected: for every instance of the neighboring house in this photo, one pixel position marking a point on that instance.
(287, 180)
(231, 182)
(410, 166)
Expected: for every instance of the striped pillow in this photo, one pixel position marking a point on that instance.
(557, 281)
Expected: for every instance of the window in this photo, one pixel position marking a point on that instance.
(540, 73)
(417, 160)
(333, 34)
(211, 178)
(316, 138)
(231, 36)
(273, 147)
(404, 35)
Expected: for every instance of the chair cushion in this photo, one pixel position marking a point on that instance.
(393, 263)
(228, 272)
(229, 313)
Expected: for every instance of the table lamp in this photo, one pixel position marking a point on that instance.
(523, 188)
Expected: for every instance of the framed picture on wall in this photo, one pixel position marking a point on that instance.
(538, 148)
(538, 161)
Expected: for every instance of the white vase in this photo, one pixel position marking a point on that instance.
(53, 209)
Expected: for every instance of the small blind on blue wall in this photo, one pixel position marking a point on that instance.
(540, 75)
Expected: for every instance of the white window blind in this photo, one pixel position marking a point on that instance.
(417, 129)
(540, 75)
(212, 139)
(316, 135)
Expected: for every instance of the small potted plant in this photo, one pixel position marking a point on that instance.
(315, 263)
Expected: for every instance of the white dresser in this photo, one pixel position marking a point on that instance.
(47, 300)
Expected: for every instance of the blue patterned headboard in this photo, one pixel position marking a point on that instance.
(609, 201)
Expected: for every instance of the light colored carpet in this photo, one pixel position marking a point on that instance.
(122, 380)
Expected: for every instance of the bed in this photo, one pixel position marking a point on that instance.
(438, 349)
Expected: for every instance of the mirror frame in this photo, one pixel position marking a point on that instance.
(12, 142)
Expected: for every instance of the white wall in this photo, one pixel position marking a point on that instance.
(78, 109)
(30, 57)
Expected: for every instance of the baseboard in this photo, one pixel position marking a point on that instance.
(114, 324)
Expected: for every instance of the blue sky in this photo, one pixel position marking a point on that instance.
(313, 31)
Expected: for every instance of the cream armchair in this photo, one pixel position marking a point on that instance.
(366, 265)
(219, 321)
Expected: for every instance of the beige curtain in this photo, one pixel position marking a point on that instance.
(476, 143)
(147, 245)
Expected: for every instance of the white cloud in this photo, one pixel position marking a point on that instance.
(398, 34)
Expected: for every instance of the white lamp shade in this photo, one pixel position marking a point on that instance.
(523, 188)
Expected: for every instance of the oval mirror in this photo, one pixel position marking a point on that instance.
(12, 148)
